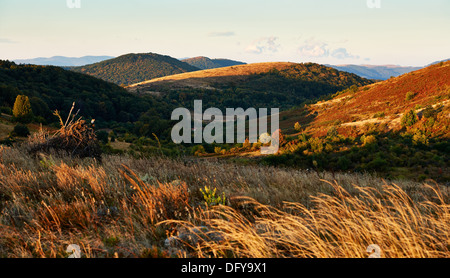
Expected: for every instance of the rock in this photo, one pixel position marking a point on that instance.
(193, 237)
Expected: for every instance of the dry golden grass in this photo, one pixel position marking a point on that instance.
(239, 70)
(205, 79)
(5, 129)
(128, 207)
(340, 226)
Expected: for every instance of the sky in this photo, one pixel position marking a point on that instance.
(377, 32)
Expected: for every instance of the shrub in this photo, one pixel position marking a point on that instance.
(6, 110)
(113, 136)
(316, 144)
(420, 138)
(21, 130)
(379, 115)
(298, 127)
(353, 89)
(332, 132)
(303, 137)
(343, 163)
(429, 112)
(210, 197)
(378, 164)
(198, 150)
(370, 139)
(410, 96)
(102, 136)
(409, 118)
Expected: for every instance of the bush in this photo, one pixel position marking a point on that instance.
(379, 115)
(353, 89)
(410, 96)
(332, 132)
(429, 112)
(210, 197)
(298, 127)
(102, 136)
(378, 164)
(370, 139)
(420, 138)
(198, 150)
(344, 163)
(21, 130)
(409, 118)
(6, 110)
(316, 144)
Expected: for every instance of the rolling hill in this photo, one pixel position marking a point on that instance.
(51, 88)
(278, 84)
(384, 103)
(132, 68)
(397, 129)
(207, 63)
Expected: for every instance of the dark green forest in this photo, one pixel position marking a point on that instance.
(133, 68)
(53, 88)
(207, 63)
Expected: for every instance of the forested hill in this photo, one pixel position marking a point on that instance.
(278, 84)
(53, 88)
(132, 68)
(207, 63)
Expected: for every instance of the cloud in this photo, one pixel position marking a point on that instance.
(221, 34)
(263, 45)
(319, 49)
(312, 48)
(342, 54)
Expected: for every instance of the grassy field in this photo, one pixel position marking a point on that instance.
(159, 207)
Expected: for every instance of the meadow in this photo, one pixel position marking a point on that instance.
(196, 207)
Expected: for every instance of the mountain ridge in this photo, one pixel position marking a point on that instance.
(63, 61)
(377, 72)
(135, 67)
(203, 62)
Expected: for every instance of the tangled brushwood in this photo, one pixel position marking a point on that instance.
(75, 138)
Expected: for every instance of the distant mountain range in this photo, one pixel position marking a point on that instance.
(202, 62)
(62, 61)
(383, 72)
(132, 68)
(437, 62)
(380, 72)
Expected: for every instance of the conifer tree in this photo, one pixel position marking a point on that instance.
(22, 109)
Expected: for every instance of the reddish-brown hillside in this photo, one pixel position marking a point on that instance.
(382, 103)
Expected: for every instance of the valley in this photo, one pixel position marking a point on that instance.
(344, 141)
(206, 133)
